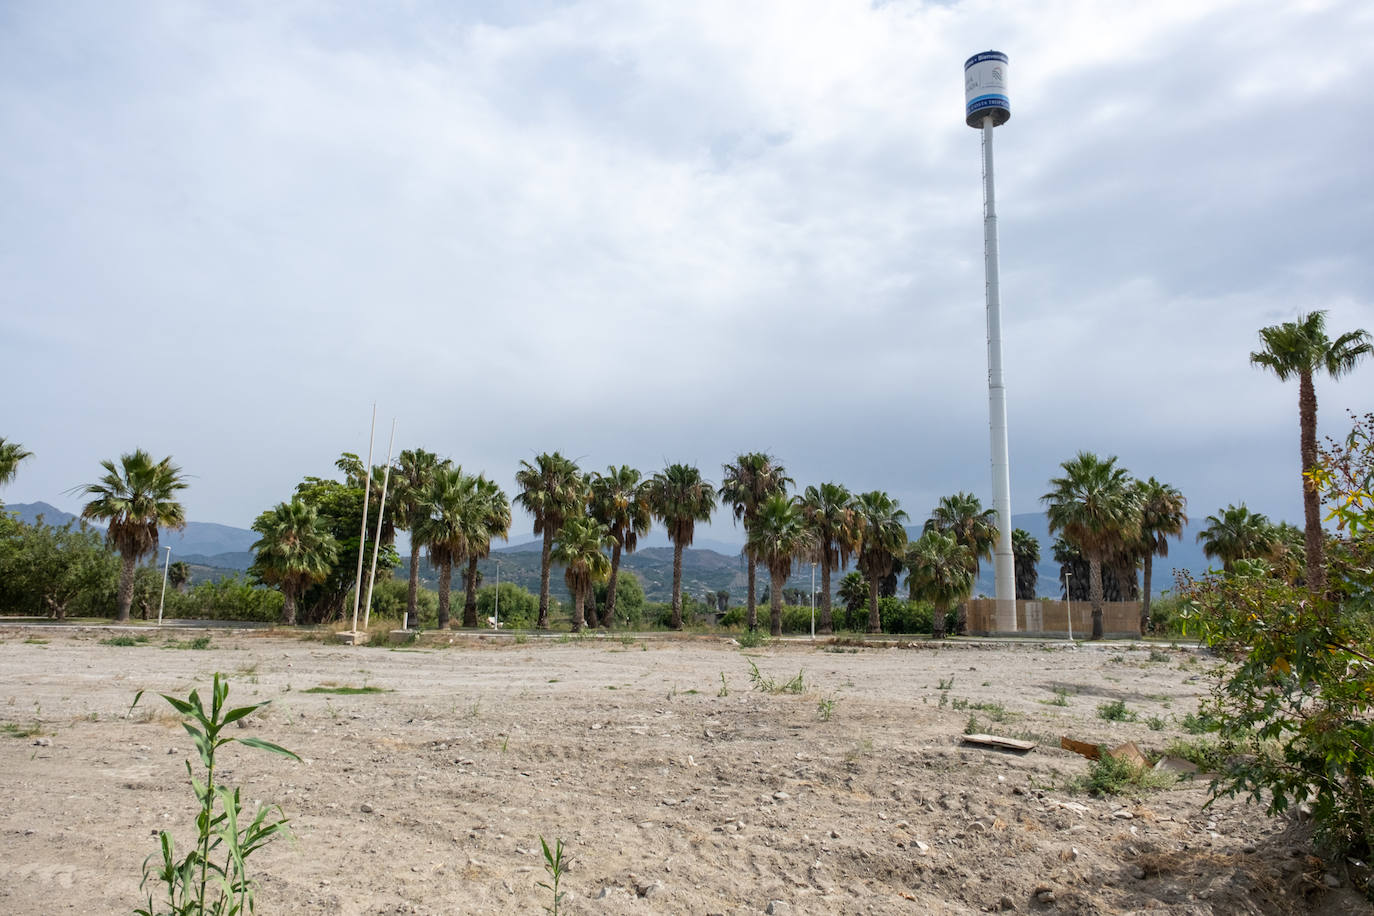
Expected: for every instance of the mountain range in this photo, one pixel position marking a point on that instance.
(215, 550)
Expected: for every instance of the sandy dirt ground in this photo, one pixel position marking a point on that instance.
(676, 786)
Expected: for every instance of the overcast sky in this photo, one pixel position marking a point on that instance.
(656, 232)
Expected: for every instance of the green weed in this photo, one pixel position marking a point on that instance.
(1115, 711)
(345, 690)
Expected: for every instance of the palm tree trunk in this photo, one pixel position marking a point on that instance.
(775, 604)
(677, 586)
(125, 596)
(288, 606)
(937, 621)
(543, 623)
(1095, 593)
(470, 596)
(1315, 539)
(1145, 592)
(752, 610)
(412, 620)
(608, 617)
(445, 581)
(827, 624)
(578, 621)
(875, 624)
(591, 607)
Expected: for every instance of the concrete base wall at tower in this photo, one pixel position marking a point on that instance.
(1120, 619)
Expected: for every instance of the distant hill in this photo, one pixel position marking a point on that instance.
(206, 539)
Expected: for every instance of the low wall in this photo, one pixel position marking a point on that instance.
(1120, 619)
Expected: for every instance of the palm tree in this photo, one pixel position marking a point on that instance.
(1025, 551)
(442, 530)
(415, 470)
(134, 498)
(882, 540)
(940, 570)
(1302, 349)
(1163, 513)
(779, 535)
(294, 552)
(963, 516)
(853, 591)
(486, 516)
(1290, 551)
(744, 485)
(679, 497)
(1095, 507)
(830, 516)
(11, 453)
(580, 544)
(619, 500)
(551, 490)
(1238, 534)
(178, 574)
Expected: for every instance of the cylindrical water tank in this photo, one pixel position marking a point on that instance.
(985, 89)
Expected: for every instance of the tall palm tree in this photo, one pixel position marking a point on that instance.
(853, 591)
(940, 570)
(744, 486)
(830, 516)
(581, 541)
(1302, 349)
(551, 490)
(882, 540)
(135, 498)
(778, 536)
(442, 530)
(1025, 551)
(963, 516)
(1236, 533)
(11, 453)
(486, 516)
(295, 551)
(619, 500)
(1095, 507)
(679, 497)
(1163, 513)
(415, 469)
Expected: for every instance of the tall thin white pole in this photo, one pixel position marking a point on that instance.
(813, 600)
(165, 567)
(362, 536)
(497, 611)
(1068, 598)
(1004, 569)
(381, 510)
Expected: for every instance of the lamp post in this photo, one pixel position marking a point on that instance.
(1068, 597)
(167, 564)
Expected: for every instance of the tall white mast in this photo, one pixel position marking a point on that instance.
(986, 106)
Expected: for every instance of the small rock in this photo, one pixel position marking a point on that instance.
(783, 796)
(1137, 873)
(777, 908)
(1122, 814)
(669, 802)
(834, 835)
(1331, 880)
(1044, 896)
(922, 848)
(1006, 904)
(607, 892)
(42, 742)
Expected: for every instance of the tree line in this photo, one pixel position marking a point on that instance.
(1109, 523)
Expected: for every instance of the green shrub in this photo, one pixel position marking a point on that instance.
(1115, 711)
(1108, 775)
(519, 608)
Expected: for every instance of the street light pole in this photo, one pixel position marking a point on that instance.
(165, 567)
(813, 601)
(497, 615)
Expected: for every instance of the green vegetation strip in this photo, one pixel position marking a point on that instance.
(347, 691)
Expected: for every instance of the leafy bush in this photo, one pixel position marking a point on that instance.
(1108, 775)
(1294, 702)
(1115, 711)
(230, 598)
(519, 608)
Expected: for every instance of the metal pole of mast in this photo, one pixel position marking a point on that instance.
(165, 567)
(362, 536)
(1003, 561)
(381, 510)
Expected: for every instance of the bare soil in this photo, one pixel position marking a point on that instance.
(674, 791)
